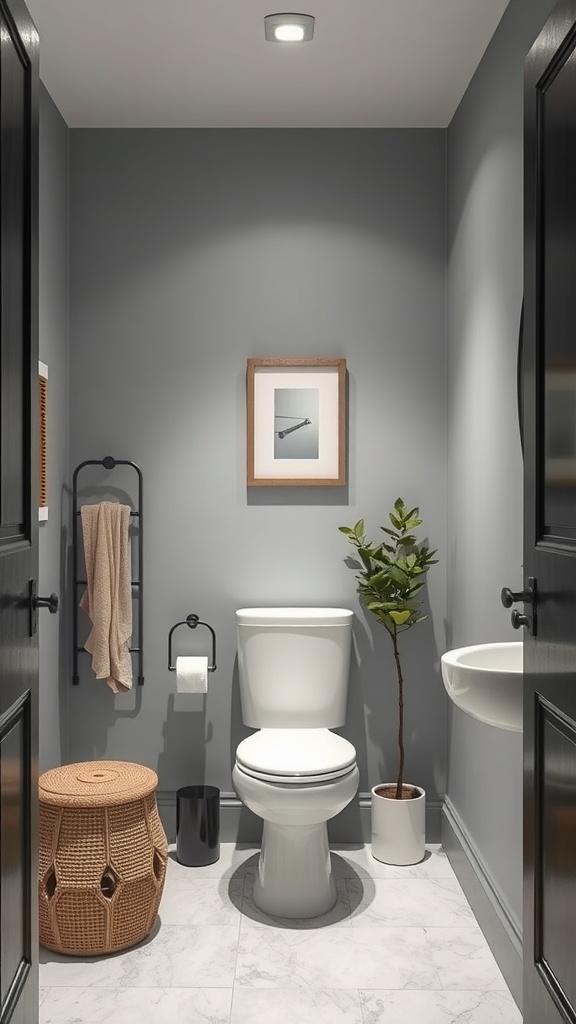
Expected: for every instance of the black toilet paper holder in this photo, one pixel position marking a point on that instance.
(191, 621)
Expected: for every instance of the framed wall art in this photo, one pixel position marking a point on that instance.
(296, 422)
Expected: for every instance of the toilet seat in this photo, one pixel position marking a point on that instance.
(295, 756)
(295, 780)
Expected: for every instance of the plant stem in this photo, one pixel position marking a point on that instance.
(400, 779)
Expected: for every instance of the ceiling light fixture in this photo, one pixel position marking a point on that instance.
(289, 28)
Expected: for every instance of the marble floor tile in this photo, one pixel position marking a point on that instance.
(350, 860)
(439, 1008)
(199, 901)
(142, 1006)
(335, 958)
(338, 916)
(176, 957)
(463, 959)
(412, 902)
(400, 946)
(232, 861)
(295, 1006)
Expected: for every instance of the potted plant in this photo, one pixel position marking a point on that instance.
(390, 575)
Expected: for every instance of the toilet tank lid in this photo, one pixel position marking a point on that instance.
(293, 616)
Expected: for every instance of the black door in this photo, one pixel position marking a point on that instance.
(550, 523)
(18, 513)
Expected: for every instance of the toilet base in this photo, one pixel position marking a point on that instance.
(295, 877)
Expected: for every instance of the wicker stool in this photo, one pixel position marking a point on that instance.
(103, 856)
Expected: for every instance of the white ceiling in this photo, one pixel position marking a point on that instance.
(205, 63)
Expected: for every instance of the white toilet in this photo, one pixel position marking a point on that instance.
(294, 773)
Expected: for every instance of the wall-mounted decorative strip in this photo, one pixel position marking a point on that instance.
(43, 441)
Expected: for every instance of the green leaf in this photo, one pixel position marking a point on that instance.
(400, 617)
(378, 554)
(364, 549)
(379, 557)
(359, 528)
(366, 559)
(346, 530)
(407, 541)
(399, 576)
(379, 576)
(412, 523)
(399, 505)
(395, 520)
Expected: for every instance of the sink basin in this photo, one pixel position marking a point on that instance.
(486, 681)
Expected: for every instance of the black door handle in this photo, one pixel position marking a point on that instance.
(526, 597)
(51, 603)
(510, 597)
(35, 602)
(518, 619)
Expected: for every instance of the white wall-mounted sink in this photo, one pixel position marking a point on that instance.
(486, 682)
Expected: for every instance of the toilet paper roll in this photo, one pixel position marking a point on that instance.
(191, 675)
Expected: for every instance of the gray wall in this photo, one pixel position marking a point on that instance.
(54, 350)
(191, 251)
(484, 456)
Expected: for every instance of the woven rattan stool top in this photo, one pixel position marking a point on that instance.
(96, 784)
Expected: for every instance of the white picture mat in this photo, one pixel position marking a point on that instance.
(325, 380)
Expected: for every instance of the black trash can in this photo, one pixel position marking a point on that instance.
(197, 825)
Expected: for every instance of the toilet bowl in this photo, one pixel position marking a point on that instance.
(294, 772)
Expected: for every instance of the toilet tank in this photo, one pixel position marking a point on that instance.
(294, 665)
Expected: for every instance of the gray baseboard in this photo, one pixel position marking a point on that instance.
(503, 932)
(239, 825)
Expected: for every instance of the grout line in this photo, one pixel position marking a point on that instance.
(361, 1001)
(241, 916)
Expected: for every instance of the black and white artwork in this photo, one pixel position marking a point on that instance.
(296, 423)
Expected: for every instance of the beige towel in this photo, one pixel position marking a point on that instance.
(108, 595)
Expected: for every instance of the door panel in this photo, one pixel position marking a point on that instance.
(18, 513)
(550, 522)
(16, 868)
(558, 816)
(15, 368)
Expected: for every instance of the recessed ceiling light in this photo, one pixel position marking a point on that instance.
(289, 28)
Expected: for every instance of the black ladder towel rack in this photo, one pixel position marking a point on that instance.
(107, 463)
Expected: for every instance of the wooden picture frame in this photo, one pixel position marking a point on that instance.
(296, 422)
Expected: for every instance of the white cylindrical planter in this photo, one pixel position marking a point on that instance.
(398, 827)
